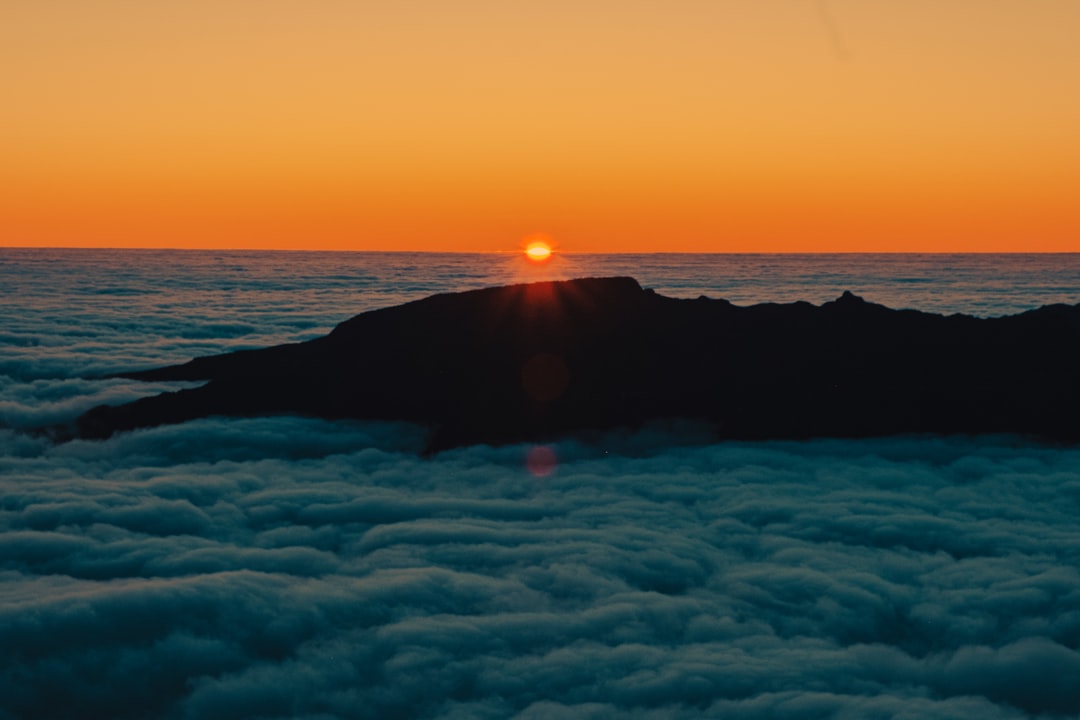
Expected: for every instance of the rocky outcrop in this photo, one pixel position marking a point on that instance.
(535, 361)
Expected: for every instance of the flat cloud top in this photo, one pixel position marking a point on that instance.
(269, 568)
(284, 568)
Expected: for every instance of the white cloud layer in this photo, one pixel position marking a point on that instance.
(286, 568)
(283, 567)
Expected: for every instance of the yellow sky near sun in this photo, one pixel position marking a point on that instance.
(737, 125)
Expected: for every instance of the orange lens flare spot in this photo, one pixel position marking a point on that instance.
(545, 377)
(541, 461)
(538, 251)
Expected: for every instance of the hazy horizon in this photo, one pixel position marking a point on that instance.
(306, 569)
(517, 251)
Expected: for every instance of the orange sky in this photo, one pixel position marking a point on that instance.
(689, 125)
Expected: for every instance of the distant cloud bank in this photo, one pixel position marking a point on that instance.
(285, 568)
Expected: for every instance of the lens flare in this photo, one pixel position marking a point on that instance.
(541, 461)
(545, 377)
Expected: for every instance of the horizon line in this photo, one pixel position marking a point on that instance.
(554, 252)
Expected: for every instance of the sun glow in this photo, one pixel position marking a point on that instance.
(538, 251)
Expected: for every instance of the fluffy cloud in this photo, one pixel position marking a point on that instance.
(283, 567)
(290, 568)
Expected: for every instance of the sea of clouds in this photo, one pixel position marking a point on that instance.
(294, 568)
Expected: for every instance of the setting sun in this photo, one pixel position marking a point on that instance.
(538, 251)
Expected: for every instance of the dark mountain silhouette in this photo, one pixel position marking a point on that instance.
(527, 362)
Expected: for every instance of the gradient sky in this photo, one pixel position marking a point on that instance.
(691, 125)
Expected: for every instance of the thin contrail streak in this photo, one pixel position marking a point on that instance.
(835, 38)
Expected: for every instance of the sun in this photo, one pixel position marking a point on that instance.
(538, 251)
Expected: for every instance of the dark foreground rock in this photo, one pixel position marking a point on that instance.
(533, 361)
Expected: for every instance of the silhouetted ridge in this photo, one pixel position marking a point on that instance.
(536, 360)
